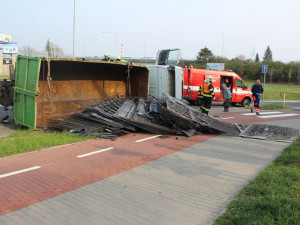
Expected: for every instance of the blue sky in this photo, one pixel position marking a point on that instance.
(189, 25)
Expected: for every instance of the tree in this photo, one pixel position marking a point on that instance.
(257, 58)
(220, 59)
(54, 50)
(205, 56)
(48, 48)
(57, 51)
(268, 57)
(27, 50)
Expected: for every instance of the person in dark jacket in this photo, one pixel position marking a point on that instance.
(257, 90)
(226, 97)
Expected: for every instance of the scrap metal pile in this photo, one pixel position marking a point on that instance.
(167, 115)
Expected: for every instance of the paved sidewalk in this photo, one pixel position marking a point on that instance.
(192, 186)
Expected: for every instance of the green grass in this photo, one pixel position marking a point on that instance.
(272, 91)
(21, 141)
(4, 77)
(271, 106)
(271, 198)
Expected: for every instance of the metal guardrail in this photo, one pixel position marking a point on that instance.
(282, 94)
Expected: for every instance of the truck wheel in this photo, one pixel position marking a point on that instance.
(246, 102)
(233, 103)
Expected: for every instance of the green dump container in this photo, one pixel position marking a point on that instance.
(45, 89)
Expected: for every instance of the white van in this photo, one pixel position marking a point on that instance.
(165, 76)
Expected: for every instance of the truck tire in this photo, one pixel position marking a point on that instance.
(246, 102)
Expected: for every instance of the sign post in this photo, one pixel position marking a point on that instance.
(264, 70)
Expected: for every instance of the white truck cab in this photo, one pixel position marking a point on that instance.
(165, 76)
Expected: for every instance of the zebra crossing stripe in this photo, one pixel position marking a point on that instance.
(281, 115)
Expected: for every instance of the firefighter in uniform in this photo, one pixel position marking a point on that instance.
(106, 57)
(208, 94)
(200, 97)
(257, 90)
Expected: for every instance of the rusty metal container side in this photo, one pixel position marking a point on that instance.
(80, 80)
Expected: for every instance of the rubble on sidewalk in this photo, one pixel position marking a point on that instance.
(167, 115)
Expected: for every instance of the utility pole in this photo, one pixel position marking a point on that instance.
(74, 23)
(122, 50)
(144, 44)
(223, 44)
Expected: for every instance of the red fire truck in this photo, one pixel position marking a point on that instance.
(193, 78)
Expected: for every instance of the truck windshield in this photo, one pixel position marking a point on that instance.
(240, 83)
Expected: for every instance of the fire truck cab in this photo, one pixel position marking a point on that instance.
(193, 78)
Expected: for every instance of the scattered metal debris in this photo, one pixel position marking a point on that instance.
(167, 115)
(271, 132)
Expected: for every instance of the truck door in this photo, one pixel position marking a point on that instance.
(238, 90)
(178, 82)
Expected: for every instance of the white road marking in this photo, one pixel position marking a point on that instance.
(226, 118)
(281, 115)
(145, 139)
(95, 152)
(262, 113)
(19, 171)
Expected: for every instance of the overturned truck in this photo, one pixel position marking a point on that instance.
(45, 89)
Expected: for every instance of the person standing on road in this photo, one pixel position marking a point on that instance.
(208, 95)
(257, 90)
(226, 97)
(200, 97)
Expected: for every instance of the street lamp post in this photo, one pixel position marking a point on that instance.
(144, 44)
(116, 37)
(74, 22)
(223, 44)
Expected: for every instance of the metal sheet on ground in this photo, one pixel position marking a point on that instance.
(271, 132)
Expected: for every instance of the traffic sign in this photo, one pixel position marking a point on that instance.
(264, 69)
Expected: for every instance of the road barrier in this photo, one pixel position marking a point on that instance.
(282, 94)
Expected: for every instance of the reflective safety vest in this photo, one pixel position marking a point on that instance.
(200, 91)
(208, 90)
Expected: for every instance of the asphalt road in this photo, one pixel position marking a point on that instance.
(293, 104)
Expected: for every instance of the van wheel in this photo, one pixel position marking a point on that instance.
(246, 102)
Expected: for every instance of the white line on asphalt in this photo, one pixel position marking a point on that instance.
(262, 113)
(281, 115)
(226, 118)
(95, 152)
(145, 139)
(19, 171)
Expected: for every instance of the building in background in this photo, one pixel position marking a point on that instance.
(5, 63)
(8, 50)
